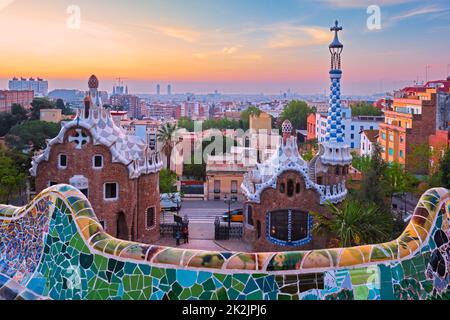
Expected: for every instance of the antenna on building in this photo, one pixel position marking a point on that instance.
(427, 70)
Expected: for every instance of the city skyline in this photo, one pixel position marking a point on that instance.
(207, 46)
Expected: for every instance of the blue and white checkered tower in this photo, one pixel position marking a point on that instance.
(336, 151)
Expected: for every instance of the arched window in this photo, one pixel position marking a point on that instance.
(250, 215)
(290, 188)
(298, 188)
(282, 188)
(289, 227)
(150, 218)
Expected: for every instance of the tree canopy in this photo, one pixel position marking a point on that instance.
(12, 176)
(167, 181)
(445, 170)
(297, 113)
(10, 119)
(31, 132)
(38, 104)
(365, 109)
(355, 223)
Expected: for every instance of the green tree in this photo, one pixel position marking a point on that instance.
(167, 181)
(186, 123)
(66, 110)
(354, 224)
(373, 184)
(8, 120)
(419, 158)
(297, 112)
(365, 109)
(167, 136)
(361, 163)
(38, 104)
(398, 181)
(33, 133)
(12, 177)
(308, 155)
(444, 170)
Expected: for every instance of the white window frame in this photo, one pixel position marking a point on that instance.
(93, 162)
(117, 191)
(59, 161)
(247, 225)
(154, 219)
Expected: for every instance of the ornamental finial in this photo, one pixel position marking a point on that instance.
(336, 43)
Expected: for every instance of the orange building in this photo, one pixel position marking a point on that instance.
(410, 121)
(312, 134)
(439, 144)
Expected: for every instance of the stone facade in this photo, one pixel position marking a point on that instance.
(134, 198)
(274, 200)
(117, 172)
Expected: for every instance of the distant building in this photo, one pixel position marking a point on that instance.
(416, 114)
(162, 111)
(130, 103)
(368, 140)
(194, 110)
(261, 122)
(169, 90)
(8, 98)
(439, 144)
(51, 115)
(39, 86)
(224, 176)
(158, 90)
(311, 127)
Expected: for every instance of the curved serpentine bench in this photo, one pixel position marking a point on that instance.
(55, 248)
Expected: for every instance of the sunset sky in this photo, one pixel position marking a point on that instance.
(234, 46)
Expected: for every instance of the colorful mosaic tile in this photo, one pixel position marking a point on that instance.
(55, 248)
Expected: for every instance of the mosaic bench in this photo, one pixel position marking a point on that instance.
(55, 248)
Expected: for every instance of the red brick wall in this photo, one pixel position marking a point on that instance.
(79, 162)
(271, 199)
(423, 126)
(440, 143)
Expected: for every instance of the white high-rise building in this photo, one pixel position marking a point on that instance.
(38, 85)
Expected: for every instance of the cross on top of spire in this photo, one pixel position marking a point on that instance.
(336, 43)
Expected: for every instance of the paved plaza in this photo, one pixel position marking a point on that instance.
(202, 215)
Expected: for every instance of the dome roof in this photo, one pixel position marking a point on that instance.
(93, 82)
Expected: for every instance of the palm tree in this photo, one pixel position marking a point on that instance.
(166, 135)
(354, 224)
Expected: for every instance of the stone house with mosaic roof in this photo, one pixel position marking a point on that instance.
(117, 172)
(282, 192)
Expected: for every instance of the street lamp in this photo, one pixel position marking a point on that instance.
(229, 201)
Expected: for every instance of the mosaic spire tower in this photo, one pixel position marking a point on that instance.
(336, 151)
